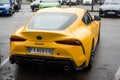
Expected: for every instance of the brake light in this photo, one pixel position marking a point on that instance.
(69, 42)
(16, 38)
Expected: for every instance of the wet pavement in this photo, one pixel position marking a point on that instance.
(106, 60)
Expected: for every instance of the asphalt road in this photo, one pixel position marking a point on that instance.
(106, 61)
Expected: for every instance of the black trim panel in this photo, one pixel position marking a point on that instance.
(45, 60)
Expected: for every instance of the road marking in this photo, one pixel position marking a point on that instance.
(117, 75)
(4, 62)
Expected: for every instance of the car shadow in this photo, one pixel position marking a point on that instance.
(3, 15)
(32, 72)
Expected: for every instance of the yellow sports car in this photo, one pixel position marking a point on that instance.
(64, 36)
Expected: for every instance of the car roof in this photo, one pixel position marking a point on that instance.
(77, 11)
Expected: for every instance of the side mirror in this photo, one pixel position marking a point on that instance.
(96, 18)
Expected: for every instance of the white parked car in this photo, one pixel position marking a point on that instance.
(110, 8)
(87, 2)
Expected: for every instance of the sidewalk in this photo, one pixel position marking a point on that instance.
(95, 7)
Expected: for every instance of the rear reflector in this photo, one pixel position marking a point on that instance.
(69, 42)
(16, 38)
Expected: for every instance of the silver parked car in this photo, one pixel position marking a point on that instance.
(110, 8)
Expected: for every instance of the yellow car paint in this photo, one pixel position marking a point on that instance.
(86, 34)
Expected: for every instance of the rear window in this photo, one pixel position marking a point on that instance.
(52, 21)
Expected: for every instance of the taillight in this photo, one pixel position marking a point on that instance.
(69, 42)
(16, 38)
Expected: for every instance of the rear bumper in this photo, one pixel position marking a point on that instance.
(107, 13)
(45, 60)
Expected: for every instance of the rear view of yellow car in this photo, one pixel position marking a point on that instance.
(62, 36)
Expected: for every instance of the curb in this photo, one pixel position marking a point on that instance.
(27, 3)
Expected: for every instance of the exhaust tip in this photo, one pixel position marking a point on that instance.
(66, 68)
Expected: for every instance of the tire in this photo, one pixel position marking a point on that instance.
(33, 9)
(100, 14)
(11, 13)
(98, 37)
(20, 7)
(89, 67)
(0, 58)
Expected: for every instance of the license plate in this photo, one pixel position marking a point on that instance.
(111, 12)
(41, 50)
